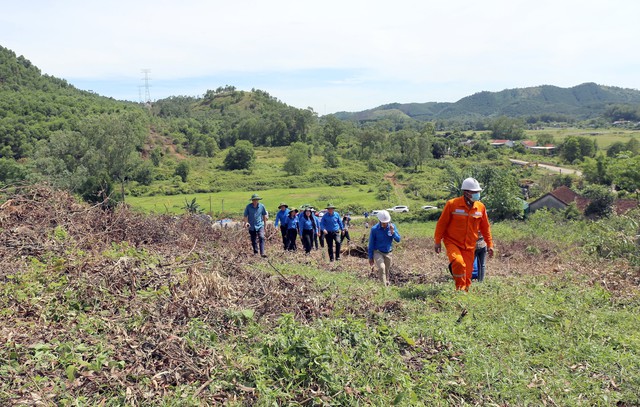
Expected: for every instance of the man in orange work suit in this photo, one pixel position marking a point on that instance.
(458, 227)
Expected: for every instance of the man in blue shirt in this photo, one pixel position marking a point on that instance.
(381, 240)
(255, 217)
(332, 227)
(281, 218)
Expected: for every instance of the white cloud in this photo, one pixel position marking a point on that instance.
(387, 50)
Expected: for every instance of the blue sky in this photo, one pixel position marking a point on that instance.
(332, 55)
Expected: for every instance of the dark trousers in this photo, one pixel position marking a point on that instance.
(321, 236)
(292, 235)
(333, 237)
(257, 236)
(283, 232)
(346, 235)
(307, 240)
(481, 254)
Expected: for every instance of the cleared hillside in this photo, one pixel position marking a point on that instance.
(118, 308)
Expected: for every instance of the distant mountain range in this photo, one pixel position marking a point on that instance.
(580, 102)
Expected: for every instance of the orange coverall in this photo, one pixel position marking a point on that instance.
(458, 227)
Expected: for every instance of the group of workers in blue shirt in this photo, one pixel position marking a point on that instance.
(313, 228)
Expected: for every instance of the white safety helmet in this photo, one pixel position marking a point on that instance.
(384, 217)
(471, 184)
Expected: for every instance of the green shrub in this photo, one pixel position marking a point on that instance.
(182, 170)
(240, 156)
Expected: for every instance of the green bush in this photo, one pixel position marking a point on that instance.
(182, 170)
(240, 156)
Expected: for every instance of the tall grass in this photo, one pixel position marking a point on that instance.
(523, 342)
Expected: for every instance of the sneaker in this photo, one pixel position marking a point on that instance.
(263, 255)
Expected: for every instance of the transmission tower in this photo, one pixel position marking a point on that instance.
(147, 95)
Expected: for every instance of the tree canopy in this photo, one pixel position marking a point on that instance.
(240, 157)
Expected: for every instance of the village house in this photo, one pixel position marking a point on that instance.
(502, 143)
(533, 146)
(528, 144)
(561, 197)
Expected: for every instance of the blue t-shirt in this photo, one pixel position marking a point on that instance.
(380, 240)
(292, 222)
(308, 224)
(255, 216)
(331, 223)
(281, 217)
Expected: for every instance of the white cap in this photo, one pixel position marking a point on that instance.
(384, 217)
(471, 184)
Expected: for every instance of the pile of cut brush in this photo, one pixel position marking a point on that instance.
(110, 297)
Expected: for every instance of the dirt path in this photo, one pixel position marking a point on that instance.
(398, 188)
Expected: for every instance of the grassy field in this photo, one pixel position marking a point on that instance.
(524, 341)
(604, 137)
(234, 202)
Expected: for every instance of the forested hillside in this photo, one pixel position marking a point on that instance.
(584, 101)
(85, 142)
(33, 105)
(226, 114)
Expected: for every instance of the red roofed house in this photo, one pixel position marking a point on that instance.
(559, 198)
(533, 146)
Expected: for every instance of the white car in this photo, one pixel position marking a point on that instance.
(399, 208)
(429, 208)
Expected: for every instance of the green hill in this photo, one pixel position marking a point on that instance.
(226, 114)
(33, 105)
(583, 101)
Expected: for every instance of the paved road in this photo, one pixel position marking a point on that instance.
(553, 168)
